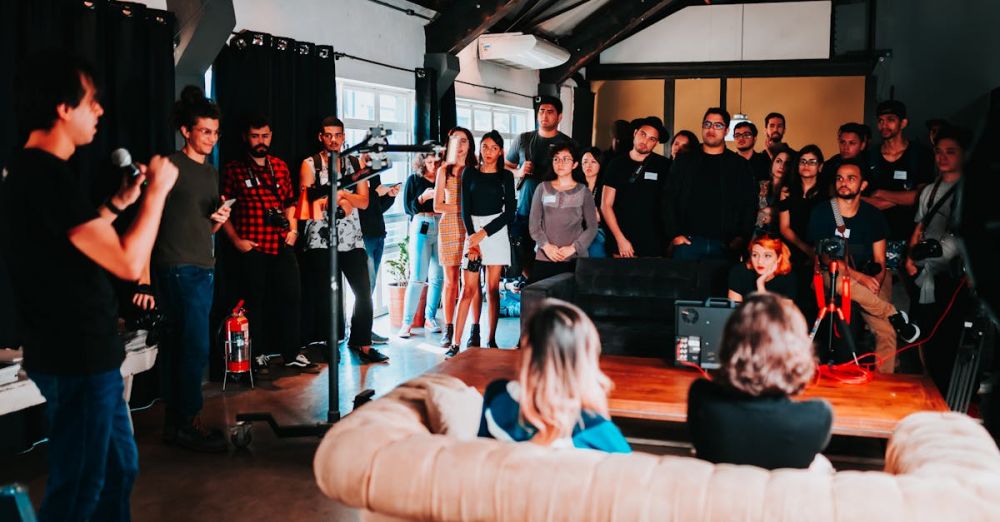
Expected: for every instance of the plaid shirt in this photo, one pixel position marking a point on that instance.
(256, 189)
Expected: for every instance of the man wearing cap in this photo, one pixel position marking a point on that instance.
(631, 201)
(710, 198)
(899, 168)
(529, 158)
(745, 136)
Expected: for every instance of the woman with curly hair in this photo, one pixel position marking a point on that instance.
(561, 396)
(745, 414)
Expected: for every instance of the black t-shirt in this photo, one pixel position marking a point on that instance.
(487, 194)
(185, 236)
(760, 166)
(769, 432)
(705, 217)
(743, 281)
(863, 229)
(799, 210)
(67, 313)
(529, 146)
(914, 168)
(638, 203)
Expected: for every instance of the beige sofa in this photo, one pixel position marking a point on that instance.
(413, 455)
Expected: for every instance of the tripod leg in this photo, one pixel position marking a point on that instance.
(845, 330)
(819, 319)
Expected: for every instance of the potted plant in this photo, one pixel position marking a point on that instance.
(399, 274)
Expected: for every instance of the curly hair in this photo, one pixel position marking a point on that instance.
(559, 370)
(766, 350)
(775, 244)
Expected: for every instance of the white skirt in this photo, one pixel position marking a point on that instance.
(495, 248)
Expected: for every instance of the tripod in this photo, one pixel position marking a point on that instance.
(839, 315)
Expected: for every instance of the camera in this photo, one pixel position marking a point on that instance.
(832, 247)
(473, 265)
(276, 218)
(926, 249)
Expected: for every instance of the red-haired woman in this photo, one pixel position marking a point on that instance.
(768, 270)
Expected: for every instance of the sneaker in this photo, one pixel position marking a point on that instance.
(906, 330)
(404, 332)
(431, 326)
(371, 355)
(378, 339)
(195, 436)
(453, 351)
(301, 362)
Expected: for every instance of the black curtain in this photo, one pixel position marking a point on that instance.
(131, 50)
(293, 83)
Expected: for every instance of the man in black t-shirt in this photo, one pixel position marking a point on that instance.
(864, 231)
(710, 198)
(59, 250)
(631, 201)
(530, 161)
(900, 168)
(774, 131)
(745, 136)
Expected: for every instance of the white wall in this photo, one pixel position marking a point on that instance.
(768, 31)
(494, 75)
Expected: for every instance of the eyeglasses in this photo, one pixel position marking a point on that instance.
(741, 135)
(806, 162)
(206, 131)
(717, 125)
(564, 159)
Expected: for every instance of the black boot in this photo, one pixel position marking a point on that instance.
(453, 351)
(195, 436)
(474, 341)
(449, 332)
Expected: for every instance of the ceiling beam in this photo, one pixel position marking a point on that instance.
(434, 5)
(459, 25)
(605, 27)
(852, 66)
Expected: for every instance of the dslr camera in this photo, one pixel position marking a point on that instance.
(926, 249)
(832, 247)
(276, 218)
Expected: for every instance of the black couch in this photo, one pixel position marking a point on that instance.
(632, 300)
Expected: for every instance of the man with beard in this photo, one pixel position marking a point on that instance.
(852, 140)
(263, 231)
(745, 136)
(529, 159)
(774, 131)
(631, 201)
(900, 169)
(864, 231)
(710, 199)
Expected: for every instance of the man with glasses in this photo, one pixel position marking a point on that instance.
(745, 135)
(710, 199)
(631, 201)
(528, 158)
(774, 131)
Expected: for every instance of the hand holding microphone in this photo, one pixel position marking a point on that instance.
(160, 177)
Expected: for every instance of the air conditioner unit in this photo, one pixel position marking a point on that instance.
(522, 51)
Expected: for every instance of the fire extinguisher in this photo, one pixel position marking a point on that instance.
(237, 335)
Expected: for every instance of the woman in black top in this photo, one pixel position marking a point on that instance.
(767, 270)
(425, 267)
(591, 164)
(745, 415)
(769, 190)
(488, 206)
(795, 206)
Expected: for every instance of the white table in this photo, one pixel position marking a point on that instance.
(23, 393)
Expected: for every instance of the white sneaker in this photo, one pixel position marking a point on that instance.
(431, 326)
(404, 332)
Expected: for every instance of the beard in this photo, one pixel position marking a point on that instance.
(260, 151)
(849, 195)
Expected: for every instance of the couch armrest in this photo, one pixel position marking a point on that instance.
(943, 444)
(562, 286)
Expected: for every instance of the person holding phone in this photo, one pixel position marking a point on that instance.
(183, 266)
(425, 268)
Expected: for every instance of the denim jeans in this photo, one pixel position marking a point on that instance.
(92, 457)
(700, 248)
(185, 293)
(597, 248)
(374, 246)
(425, 268)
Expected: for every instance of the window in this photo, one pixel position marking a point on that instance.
(482, 117)
(365, 105)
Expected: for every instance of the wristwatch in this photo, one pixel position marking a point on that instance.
(111, 206)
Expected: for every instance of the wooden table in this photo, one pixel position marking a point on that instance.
(649, 388)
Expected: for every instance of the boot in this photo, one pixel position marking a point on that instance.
(474, 341)
(449, 332)
(195, 436)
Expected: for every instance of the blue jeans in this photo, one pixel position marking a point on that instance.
(93, 460)
(700, 248)
(374, 247)
(185, 293)
(425, 268)
(597, 249)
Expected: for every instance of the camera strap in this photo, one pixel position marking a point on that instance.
(273, 187)
(837, 218)
(936, 204)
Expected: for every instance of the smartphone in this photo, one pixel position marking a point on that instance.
(228, 203)
(391, 185)
(451, 156)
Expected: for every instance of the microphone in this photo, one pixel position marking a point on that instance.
(122, 160)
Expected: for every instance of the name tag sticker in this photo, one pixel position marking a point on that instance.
(549, 198)
(845, 235)
(899, 174)
(248, 183)
(651, 176)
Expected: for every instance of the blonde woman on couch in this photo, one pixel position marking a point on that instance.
(561, 396)
(745, 415)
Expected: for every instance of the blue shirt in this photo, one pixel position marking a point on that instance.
(501, 420)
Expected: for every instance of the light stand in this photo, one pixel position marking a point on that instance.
(375, 142)
(838, 314)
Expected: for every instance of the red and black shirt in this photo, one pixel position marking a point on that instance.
(258, 188)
